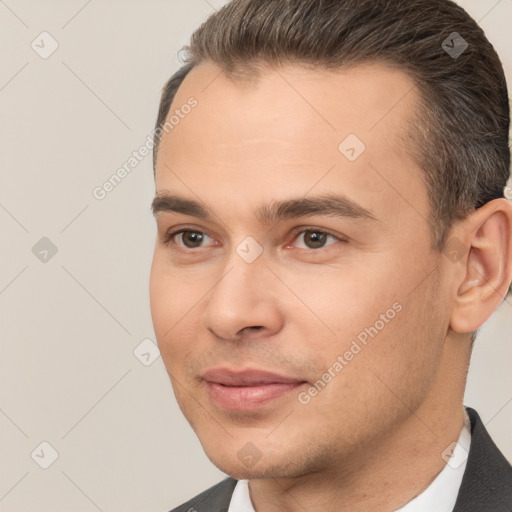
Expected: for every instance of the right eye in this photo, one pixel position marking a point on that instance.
(186, 238)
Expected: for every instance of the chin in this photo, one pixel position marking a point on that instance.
(262, 468)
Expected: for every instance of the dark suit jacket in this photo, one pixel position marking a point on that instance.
(486, 485)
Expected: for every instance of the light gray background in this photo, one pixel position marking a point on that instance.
(68, 374)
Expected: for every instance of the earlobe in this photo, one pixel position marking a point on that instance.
(487, 265)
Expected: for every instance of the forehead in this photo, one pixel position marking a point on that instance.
(296, 129)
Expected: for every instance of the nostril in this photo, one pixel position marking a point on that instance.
(250, 328)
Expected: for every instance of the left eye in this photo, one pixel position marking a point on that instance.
(314, 239)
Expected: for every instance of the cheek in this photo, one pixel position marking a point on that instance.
(372, 381)
(171, 295)
(172, 304)
(375, 332)
(341, 301)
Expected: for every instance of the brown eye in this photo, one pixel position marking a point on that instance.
(191, 239)
(314, 239)
(188, 239)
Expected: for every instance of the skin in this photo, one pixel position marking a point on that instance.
(372, 439)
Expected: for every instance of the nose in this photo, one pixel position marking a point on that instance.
(244, 302)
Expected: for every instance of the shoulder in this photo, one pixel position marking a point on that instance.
(214, 499)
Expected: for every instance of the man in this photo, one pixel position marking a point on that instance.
(332, 231)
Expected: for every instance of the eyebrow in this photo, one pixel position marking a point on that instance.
(331, 205)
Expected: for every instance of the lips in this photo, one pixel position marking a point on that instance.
(249, 389)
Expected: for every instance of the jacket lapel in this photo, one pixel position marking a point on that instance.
(487, 481)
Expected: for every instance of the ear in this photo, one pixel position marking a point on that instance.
(486, 266)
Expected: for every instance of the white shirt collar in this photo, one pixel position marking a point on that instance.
(241, 500)
(440, 495)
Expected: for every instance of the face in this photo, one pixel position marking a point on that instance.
(296, 300)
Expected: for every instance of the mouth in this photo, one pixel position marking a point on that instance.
(249, 389)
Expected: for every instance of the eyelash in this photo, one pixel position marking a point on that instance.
(171, 234)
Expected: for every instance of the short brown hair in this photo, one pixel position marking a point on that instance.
(460, 130)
